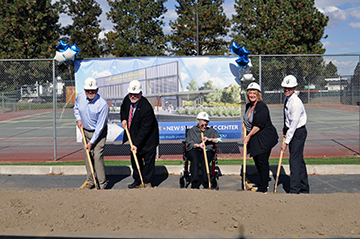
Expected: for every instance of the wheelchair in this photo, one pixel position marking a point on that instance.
(185, 176)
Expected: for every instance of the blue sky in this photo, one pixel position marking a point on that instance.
(343, 29)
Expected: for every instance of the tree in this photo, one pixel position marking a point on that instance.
(331, 70)
(279, 26)
(85, 29)
(28, 29)
(213, 25)
(214, 95)
(355, 79)
(192, 86)
(232, 94)
(137, 28)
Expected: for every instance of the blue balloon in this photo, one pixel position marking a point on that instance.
(75, 49)
(242, 61)
(62, 46)
(235, 48)
(242, 53)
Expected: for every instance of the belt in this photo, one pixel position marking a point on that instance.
(301, 127)
(89, 130)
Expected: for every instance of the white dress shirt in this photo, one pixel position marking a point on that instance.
(295, 116)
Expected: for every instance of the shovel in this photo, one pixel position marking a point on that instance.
(135, 158)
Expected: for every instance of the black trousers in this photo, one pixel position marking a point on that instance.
(147, 167)
(298, 173)
(196, 157)
(262, 166)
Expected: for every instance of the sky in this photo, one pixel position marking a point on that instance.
(343, 28)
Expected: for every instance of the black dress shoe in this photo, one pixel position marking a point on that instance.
(134, 184)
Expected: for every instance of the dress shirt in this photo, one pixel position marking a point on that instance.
(295, 116)
(134, 107)
(93, 113)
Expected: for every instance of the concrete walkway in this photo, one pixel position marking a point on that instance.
(174, 170)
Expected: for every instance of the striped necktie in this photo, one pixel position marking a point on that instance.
(130, 115)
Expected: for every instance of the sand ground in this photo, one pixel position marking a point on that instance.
(178, 213)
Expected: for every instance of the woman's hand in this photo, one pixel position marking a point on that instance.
(246, 139)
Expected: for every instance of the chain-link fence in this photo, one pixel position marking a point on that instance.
(37, 120)
(321, 78)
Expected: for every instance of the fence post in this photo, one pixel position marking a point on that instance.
(54, 108)
(3, 103)
(260, 72)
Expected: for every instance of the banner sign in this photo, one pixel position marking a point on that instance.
(176, 130)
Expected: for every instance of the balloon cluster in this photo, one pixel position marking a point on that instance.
(65, 52)
(242, 70)
(242, 53)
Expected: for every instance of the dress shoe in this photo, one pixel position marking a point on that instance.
(89, 186)
(135, 184)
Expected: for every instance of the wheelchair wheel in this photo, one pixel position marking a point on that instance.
(214, 184)
(182, 182)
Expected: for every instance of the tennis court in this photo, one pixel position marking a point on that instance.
(28, 136)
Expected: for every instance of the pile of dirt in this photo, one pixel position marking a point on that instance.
(164, 212)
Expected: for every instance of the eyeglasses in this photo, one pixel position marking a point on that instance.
(203, 125)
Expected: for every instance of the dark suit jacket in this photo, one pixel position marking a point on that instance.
(266, 138)
(144, 129)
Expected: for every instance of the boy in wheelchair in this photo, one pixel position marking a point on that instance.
(195, 154)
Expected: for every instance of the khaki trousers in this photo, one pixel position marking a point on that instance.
(97, 159)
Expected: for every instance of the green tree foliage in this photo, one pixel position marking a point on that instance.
(355, 79)
(137, 28)
(331, 70)
(213, 25)
(85, 29)
(279, 26)
(28, 29)
(232, 94)
(215, 95)
(192, 86)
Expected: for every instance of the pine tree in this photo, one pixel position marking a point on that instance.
(28, 29)
(279, 26)
(212, 27)
(85, 29)
(331, 70)
(137, 28)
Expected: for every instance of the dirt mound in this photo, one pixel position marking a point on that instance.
(164, 212)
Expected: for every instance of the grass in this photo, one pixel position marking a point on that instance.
(272, 161)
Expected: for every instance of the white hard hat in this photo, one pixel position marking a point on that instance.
(90, 84)
(134, 87)
(203, 116)
(253, 86)
(289, 82)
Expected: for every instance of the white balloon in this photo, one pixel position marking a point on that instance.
(249, 64)
(60, 57)
(69, 54)
(248, 77)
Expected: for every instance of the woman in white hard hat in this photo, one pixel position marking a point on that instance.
(294, 128)
(261, 133)
(194, 148)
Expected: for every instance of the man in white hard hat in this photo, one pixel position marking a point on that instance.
(138, 116)
(294, 128)
(194, 148)
(91, 113)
